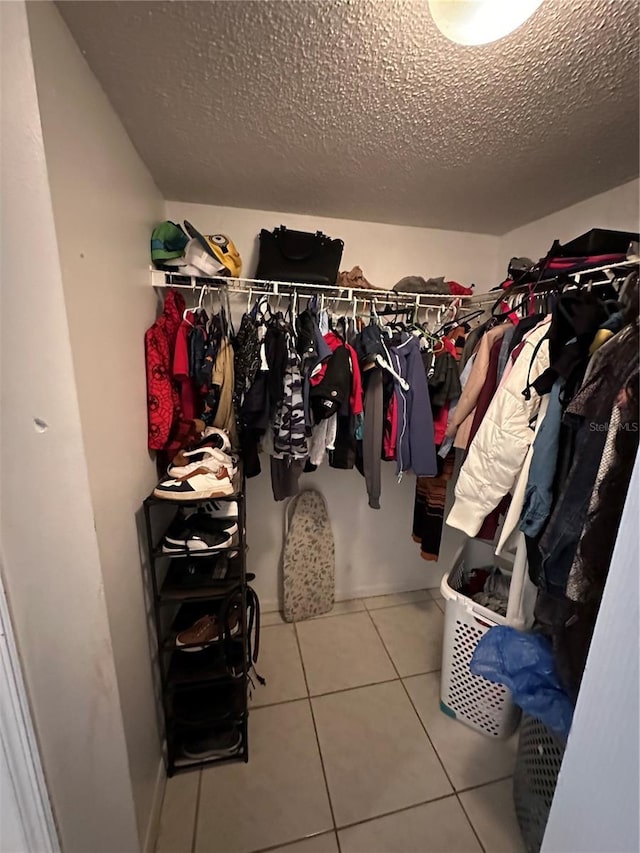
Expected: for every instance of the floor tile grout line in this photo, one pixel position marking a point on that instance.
(470, 822)
(364, 609)
(339, 690)
(295, 841)
(444, 769)
(484, 784)
(194, 837)
(437, 799)
(315, 729)
(428, 802)
(415, 710)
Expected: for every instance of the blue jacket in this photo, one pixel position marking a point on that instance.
(416, 446)
(539, 492)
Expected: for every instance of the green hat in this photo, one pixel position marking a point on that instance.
(167, 241)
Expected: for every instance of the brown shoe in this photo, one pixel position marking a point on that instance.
(206, 631)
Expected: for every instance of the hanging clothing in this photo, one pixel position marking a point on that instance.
(589, 410)
(428, 510)
(577, 588)
(444, 381)
(462, 418)
(323, 439)
(490, 524)
(508, 538)
(538, 496)
(163, 402)
(285, 474)
(223, 378)
(181, 369)
(447, 442)
(498, 451)
(246, 350)
(289, 428)
(372, 441)
(576, 319)
(415, 448)
(331, 394)
(505, 349)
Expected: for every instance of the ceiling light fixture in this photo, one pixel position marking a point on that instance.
(475, 22)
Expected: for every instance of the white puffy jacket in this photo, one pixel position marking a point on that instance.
(499, 448)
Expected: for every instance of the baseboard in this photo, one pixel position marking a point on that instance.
(153, 825)
(388, 588)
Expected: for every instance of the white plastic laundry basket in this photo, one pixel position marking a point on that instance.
(469, 698)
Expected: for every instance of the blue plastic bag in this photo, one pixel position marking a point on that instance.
(524, 663)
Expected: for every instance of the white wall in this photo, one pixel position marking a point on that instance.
(50, 560)
(617, 209)
(386, 253)
(105, 205)
(374, 550)
(595, 807)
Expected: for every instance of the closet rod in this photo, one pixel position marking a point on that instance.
(161, 278)
(540, 287)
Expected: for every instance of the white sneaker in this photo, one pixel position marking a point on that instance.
(202, 482)
(222, 509)
(208, 457)
(223, 437)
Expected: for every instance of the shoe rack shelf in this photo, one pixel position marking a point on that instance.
(211, 683)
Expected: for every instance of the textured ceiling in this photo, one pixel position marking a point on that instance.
(361, 109)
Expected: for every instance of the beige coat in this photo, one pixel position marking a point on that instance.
(224, 377)
(462, 417)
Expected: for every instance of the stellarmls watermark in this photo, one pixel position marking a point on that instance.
(605, 426)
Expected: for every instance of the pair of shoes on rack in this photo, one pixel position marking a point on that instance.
(209, 475)
(190, 574)
(207, 630)
(211, 437)
(198, 534)
(212, 743)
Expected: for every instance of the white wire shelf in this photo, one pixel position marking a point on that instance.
(162, 278)
(542, 286)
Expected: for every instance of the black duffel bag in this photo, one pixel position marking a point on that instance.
(598, 241)
(298, 256)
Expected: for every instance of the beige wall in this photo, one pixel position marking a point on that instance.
(617, 209)
(386, 253)
(50, 560)
(105, 205)
(375, 553)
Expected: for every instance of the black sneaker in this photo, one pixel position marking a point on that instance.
(198, 544)
(196, 573)
(198, 534)
(212, 743)
(182, 527)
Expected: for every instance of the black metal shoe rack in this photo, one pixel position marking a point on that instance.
(191, 676)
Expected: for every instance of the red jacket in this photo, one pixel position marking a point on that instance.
(163, 402)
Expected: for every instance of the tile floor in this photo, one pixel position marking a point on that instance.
(349, 751)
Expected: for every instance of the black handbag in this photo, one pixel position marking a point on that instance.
(298, 256)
